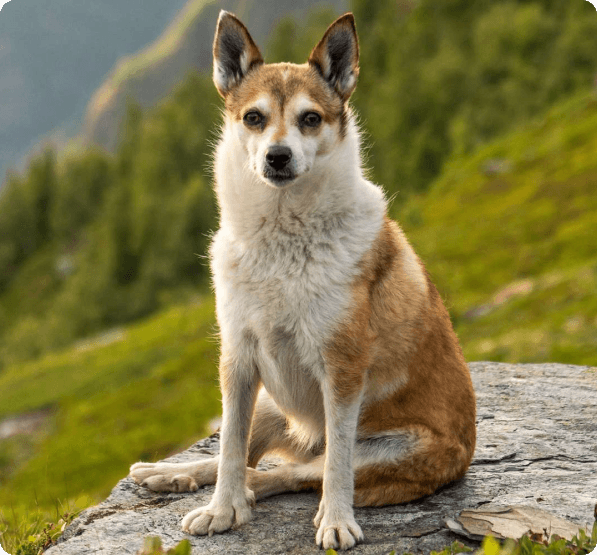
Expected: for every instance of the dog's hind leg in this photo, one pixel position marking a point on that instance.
(406, 464)
(268, 433)
(177, 477)
(288, 477)
(390, 467)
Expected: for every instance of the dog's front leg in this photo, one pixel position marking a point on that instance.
(232, 501)
(335, 518)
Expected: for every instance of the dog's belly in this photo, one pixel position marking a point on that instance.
(291, 381)
(291, 325)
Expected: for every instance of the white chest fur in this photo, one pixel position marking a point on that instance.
(283, 263)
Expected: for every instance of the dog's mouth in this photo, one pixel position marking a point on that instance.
(279, 177)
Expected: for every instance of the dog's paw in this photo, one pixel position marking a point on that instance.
(171, 477)
(336, 531)
(219, 517)
(339, 535)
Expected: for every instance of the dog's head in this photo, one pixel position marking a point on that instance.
(286, 115)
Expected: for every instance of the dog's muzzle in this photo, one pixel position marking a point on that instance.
(278, 157)
(277, 165)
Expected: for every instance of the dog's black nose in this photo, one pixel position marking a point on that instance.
(278, 157)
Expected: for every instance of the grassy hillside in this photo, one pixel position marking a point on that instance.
(88, 241)
(509, 237)
(133, 393)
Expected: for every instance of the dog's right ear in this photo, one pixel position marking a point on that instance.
(235, 53)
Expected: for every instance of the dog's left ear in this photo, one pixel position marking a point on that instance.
(336, 57)
(235, 53)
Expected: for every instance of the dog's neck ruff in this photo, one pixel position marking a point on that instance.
(328, 196)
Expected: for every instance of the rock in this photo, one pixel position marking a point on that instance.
(511, 522)
(536, 448)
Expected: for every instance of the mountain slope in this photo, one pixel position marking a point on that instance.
(54, 54)
(184, 46)
(137, 392)
(509, 237)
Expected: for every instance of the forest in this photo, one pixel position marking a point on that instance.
(89, 240)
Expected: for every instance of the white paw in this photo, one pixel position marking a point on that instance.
(166, 477)
(336, 530)
(219, 517)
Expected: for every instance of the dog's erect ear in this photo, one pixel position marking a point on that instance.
(336, 56)
(235, 53)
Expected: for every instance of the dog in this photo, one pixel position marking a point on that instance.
(337, 352)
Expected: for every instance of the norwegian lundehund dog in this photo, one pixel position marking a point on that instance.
(336, 350)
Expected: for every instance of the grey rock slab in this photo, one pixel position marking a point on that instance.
(536, 447)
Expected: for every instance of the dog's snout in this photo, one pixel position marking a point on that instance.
(278, 157)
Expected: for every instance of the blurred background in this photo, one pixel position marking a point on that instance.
(480, 121)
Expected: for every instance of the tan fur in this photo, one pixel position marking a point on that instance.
(415, 346)
(282, 82)
(398, 334)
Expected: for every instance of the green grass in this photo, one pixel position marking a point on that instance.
(106, 407)
(479, 234)
(153, 546)
(581, 544)
(34, 531)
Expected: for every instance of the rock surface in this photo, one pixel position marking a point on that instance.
(536, 446)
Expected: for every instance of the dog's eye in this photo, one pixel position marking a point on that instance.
(253, 118)
(311, 119)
